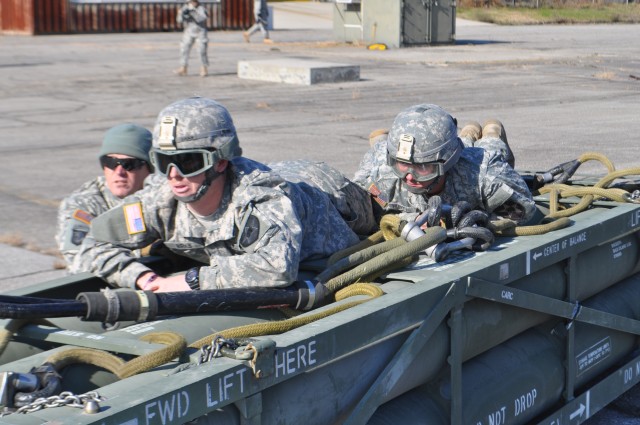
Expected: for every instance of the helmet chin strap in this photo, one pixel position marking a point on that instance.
(210, 176)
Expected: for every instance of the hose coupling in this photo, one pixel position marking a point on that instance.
(111, 306)
(311, 294)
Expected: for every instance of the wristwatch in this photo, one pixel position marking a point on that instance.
(193, 278)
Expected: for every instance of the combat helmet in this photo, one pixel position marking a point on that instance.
(423, 141)
(193, 135)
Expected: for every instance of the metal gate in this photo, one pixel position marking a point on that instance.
(38, 17)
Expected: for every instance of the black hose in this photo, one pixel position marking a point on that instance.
(19, 310)
(225, 300)
(31, 300)
(125, 304)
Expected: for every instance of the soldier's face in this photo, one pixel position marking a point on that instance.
(187, 186)
(121, 182)
(436, 188)
(184, 186)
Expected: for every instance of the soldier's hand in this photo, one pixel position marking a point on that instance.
(172, 284)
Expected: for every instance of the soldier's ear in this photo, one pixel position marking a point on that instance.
(221, 165)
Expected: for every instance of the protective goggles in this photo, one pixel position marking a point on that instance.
(421, 172)
(129, 164)
(187, 162)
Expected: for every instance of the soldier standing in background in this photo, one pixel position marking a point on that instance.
(261, 14)
(193, 18)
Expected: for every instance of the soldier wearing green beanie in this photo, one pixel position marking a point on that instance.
(124, 158)
(127, 139)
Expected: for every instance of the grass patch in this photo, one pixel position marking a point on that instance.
(12, 239)
(576, 14)
(16, 240)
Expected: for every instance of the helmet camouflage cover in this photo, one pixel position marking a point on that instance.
(196, 123)
(424, 133)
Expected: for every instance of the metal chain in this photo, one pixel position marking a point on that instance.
(225, 347)
(65, 398)
(209, 352)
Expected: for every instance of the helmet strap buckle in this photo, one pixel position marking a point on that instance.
(405, 147)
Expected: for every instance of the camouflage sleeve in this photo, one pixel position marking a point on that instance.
(268, 244)
(504, 192)
(179, 15)
(118, 266)
(108, 250)
(364, 173)
(200, 15)
(74, 222)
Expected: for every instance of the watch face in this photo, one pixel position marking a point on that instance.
(191, 276)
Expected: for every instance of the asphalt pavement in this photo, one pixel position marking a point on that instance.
(560, 91)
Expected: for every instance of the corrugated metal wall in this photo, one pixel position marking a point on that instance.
(16, 16)
(50, 16)
(64, 16)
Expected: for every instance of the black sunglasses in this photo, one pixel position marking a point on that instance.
(129, 164)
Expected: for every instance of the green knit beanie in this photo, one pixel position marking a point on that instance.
(127, 139)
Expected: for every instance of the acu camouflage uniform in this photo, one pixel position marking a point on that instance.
(261, 15)
(77, 211)
(194, 21)
(481, 176)
(262, 230)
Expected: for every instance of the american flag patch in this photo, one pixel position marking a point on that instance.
(373, 189)
(133, 218)
(82, 216)
(376, 195)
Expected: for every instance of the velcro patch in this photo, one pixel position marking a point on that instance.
(250, 233)
(373, 189)
(376, 194)
(133, 218)
(82, 216)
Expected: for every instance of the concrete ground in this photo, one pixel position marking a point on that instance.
(560, 91)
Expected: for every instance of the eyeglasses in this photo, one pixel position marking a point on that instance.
(188, 163)
(421, 172)
(129, 164)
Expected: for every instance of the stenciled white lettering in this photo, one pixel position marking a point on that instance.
(525, 401)
(70, 333)
(507, 295)
(224, 385)
(579, 238)
(551, 249)
(498, 417)
(295, 359)
(170, 409)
